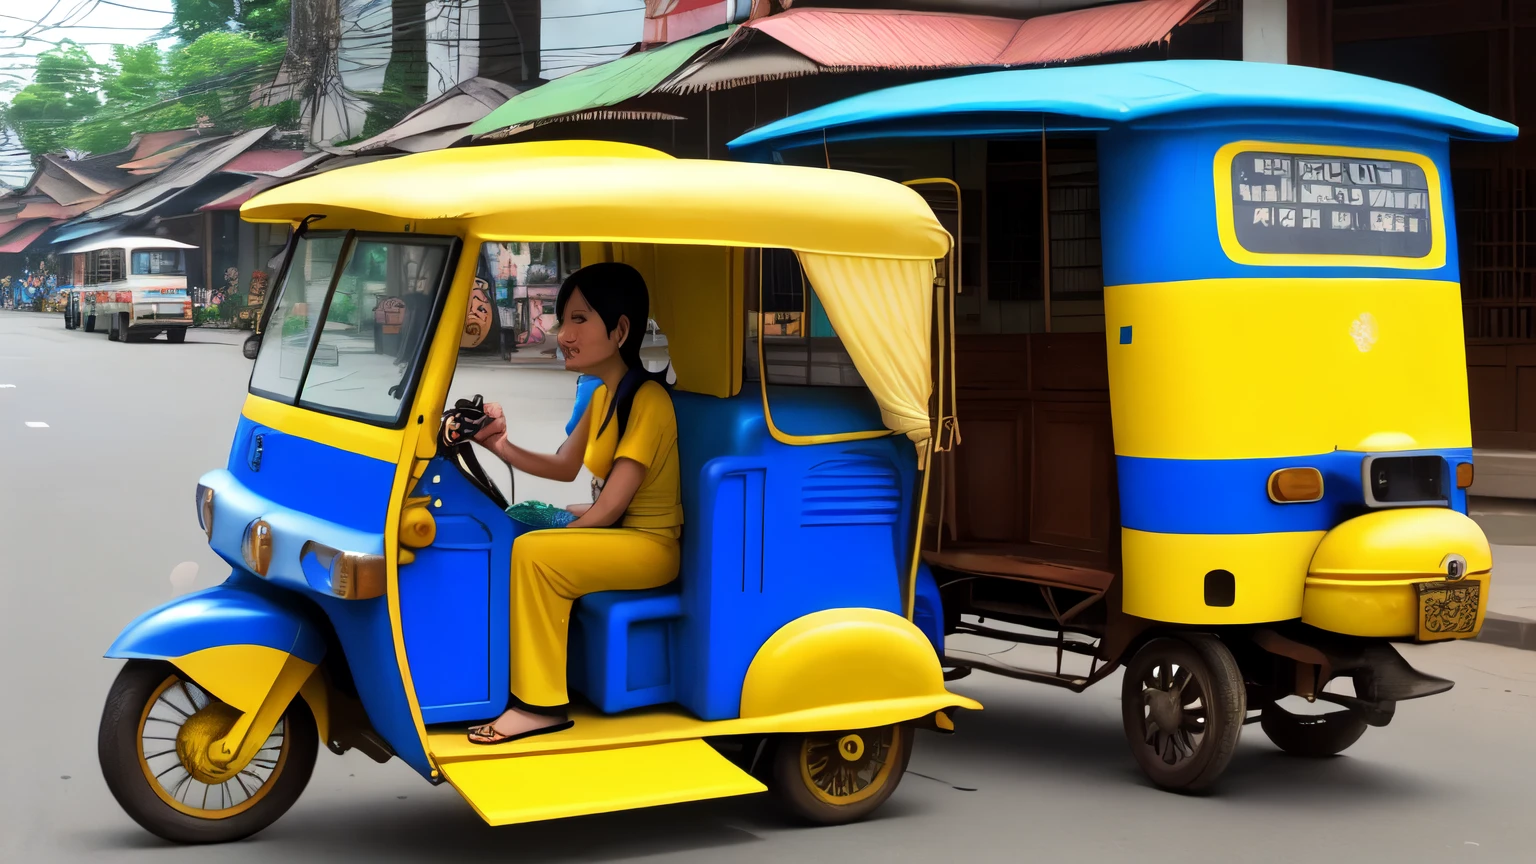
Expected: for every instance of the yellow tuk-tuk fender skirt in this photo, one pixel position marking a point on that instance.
(258, 681)
(535, 788)
(1363, 580)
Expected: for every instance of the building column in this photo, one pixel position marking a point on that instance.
(1265, 37)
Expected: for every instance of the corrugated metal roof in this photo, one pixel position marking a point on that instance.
(20, 237)
(598, 86)
(857, 39)
(263, 161)
(1100, 30)
(848, 38)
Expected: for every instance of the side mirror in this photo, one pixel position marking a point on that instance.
(251, 347)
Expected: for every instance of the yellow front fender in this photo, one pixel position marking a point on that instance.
(843, 665)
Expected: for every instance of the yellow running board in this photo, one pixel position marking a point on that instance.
(509, 790)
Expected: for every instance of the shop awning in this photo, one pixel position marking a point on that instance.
(598, 87)
(851, 40)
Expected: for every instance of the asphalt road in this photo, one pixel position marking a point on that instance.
(96, 512)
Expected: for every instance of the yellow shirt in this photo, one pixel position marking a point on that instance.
(650, 440)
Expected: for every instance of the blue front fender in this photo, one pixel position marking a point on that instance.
(218, 616)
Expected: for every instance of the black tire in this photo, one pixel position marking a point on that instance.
(176, 335)
(124, 334)
(90, 323)
(127, 770)
(1312, 736)
(113, 334)
(1179, 762)
(837, 797)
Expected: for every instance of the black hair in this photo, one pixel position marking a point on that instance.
(614, 291)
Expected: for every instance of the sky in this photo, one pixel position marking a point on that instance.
(575, 34)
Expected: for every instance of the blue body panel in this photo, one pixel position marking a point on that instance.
(1140, 228)
(222, 615)
(1227, 496)
(309, 491)
(455, 601)
(775, 532)
(1098, 97)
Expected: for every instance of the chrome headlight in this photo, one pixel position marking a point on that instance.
(205, 509)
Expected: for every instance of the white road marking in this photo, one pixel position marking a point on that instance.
(7, 386)
(36, 424)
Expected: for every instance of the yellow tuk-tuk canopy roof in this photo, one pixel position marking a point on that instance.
(607, 192)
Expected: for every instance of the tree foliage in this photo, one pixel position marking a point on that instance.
(62, 93)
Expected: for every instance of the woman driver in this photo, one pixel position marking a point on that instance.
(627, 539)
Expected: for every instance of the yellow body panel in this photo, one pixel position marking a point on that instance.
(594, 731)
(1228, 232)
(1387, 608)
(239, 675)
(1165, 575)
(361, 438)
(1361, 580)
(533, 788)
(839, 656)
(1252, 368)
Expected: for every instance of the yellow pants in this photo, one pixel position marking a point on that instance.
(554, 567)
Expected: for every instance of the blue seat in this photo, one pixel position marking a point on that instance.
(622, 647)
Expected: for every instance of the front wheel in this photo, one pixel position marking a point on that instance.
(155, 732)
(1183, 702)
(833, 778)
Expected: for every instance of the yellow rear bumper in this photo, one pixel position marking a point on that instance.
(1364, 579)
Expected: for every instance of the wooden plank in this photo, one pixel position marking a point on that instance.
(1035, 570)
(1491, 396)
(992, 476)
(1070, 497)
(1068, 361)
(1411, 20)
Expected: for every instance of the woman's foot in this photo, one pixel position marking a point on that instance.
(516, 723)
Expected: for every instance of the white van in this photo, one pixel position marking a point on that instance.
(135, 288)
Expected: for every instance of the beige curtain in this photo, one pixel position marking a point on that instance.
(882, 309)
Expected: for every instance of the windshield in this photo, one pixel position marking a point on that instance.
(358, 361)
(159, 262)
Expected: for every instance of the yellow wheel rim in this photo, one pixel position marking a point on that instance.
(178, 723)
(848, 768)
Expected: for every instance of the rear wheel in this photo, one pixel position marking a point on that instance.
(832, 778)
(1313, 736)
(153, 744)
(113, 333)
(123, 333)
(176, 334)
(1183, 702)
(90, 323)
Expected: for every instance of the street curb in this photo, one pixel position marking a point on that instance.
(1508, 631)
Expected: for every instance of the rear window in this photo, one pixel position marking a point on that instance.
(159, 262)
(1300, 203)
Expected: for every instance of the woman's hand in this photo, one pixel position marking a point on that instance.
(495, 429)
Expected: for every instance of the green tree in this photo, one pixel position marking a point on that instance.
(192, 18)
(136, 88)
(62, 93)
(266, 20)
(214, 77)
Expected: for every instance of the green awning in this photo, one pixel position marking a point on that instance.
(598, 86)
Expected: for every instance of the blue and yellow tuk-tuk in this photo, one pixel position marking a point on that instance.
(368, 603)
(1213, 382)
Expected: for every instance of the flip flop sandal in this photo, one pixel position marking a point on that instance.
(489, 729)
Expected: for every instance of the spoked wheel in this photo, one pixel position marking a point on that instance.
(153, 746)
(832, 778)
(1183, 703)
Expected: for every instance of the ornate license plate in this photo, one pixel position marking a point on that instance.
(1447, 610)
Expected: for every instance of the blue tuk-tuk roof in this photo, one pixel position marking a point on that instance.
(1096, 98)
